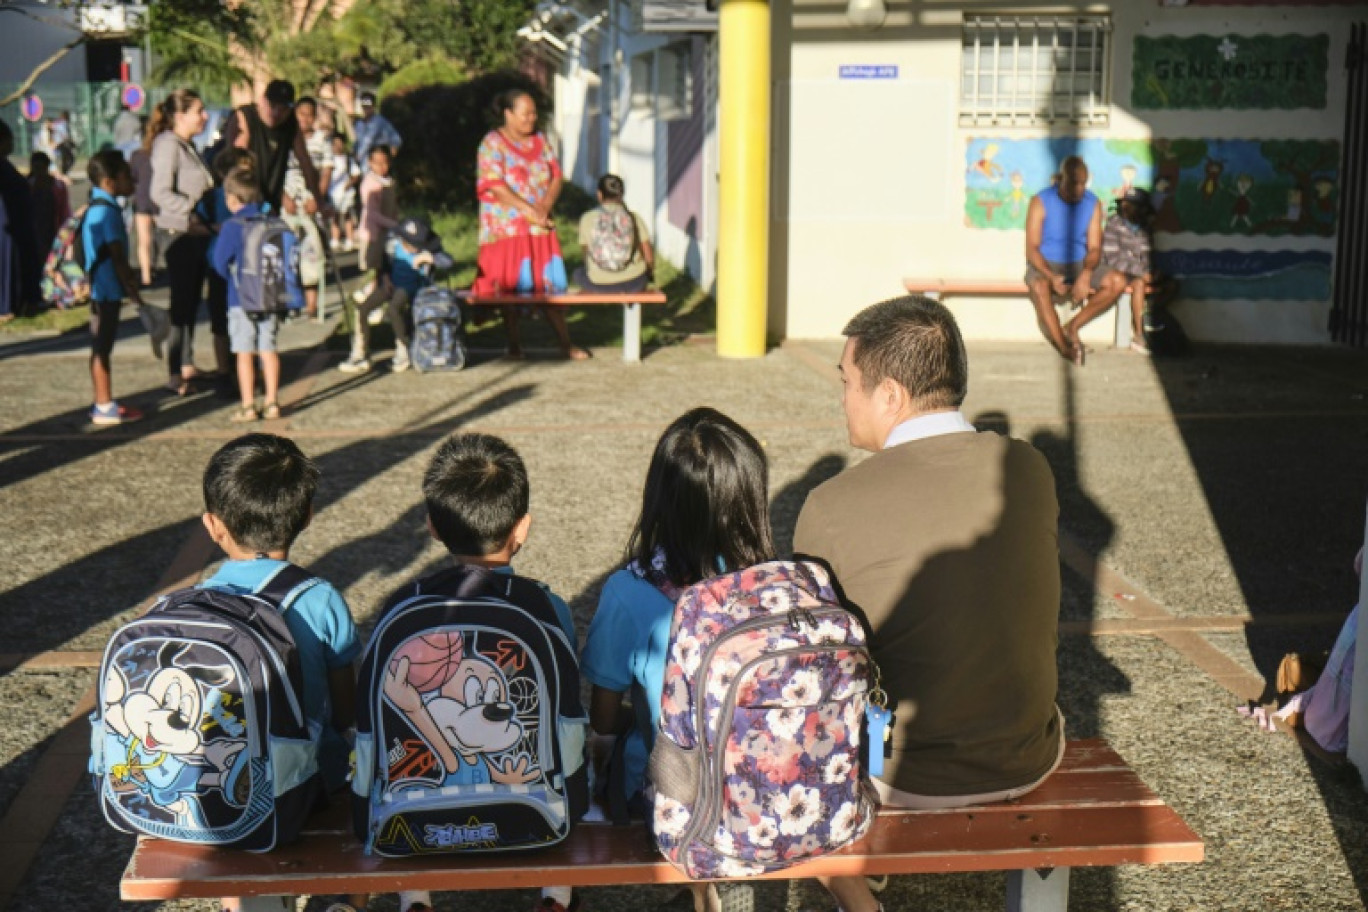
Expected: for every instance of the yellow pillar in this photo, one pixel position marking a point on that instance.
(743, 165)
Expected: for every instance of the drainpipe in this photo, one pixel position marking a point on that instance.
(743, 163)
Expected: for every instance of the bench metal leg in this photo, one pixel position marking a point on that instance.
(1042, 890)
(631, 332)
(1123, 321)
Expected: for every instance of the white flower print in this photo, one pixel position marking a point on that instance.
(775, 599)
(720, 682)
(845, 823)
(785, 723)
(732, 868)
(798, 810)
(804, 688)
(828, 631)
(763, 833)
(723, 842)
(688, 652)
(837, 769)
(671, 817)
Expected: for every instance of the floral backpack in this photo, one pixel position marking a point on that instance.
(613, 242)
(756, 766)
(66, 281)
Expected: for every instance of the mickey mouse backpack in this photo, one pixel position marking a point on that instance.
(469, 729)
(199, 733)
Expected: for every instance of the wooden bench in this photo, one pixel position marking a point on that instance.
(987, 288)
(1094, 811)
(631, 302)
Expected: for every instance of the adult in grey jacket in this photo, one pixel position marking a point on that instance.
(179, 179)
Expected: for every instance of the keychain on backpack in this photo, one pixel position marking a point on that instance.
(879, 731)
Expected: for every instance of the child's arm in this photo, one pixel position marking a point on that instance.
(608, 713)
(225, 251)
(131, 285)
(342, 693)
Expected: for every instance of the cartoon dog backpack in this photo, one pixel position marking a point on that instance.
(199, 734)
(470, 733)
(756, 765)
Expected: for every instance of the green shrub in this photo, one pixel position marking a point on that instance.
(430, 71)
(442, 126)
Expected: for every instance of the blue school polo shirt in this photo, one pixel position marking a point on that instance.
(103, 226)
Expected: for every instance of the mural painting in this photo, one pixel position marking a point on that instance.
(1230, 72)
(1257, 188)
(1269, 275)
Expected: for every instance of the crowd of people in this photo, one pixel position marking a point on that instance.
(334, 188)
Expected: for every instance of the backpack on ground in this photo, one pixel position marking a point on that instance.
(756, 765)
(613, 240)
(66, 281)
(438, 338)
(470, 733)
(266, 273)
(199, 732)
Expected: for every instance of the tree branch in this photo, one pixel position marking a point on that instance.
(42, 68)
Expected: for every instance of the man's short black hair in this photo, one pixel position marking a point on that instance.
(306, 101)
(367, 98)
(261, 487)
(915, 341)
(476, 491)
(105, 165)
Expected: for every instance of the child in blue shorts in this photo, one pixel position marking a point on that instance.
(249, 335)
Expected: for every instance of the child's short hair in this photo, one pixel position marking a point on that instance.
(476, 491)
(231, 159)
(106, 164)
(261, 487)
(381, 149)
(241, 184)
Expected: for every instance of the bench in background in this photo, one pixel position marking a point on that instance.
(1094, 811)
(631, 302)
(943, 288)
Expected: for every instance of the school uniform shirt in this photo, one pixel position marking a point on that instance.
(325, 637)
(103, 225)
(627, 643)
(229, 247)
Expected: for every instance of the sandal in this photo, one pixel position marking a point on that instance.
(271, 412)
(577, 353)
(178, 387)
(244, 414)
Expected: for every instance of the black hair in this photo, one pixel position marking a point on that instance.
(5, 131)
(704, 509)
(280, 92)
(476, 491)
(368, 98)
(105, 165)
(306, 100)
(612, 188)
(40, 158)
(231, 159)
(915, 341)
(381, 147)
(506, 99)
(261, 487)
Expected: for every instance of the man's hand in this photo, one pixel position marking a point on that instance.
(1081, 286)
(1058, 285)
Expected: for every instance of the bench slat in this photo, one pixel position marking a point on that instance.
(1093, 811)
(965, 286)
(577, 299)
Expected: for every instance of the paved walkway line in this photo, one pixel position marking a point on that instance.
(58, 772)
(30, 661)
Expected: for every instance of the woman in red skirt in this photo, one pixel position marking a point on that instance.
(518, 182)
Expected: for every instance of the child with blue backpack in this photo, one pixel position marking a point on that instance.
(413, 253)
(250, 335)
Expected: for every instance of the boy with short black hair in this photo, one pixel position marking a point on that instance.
(258, 498)
(104, 239)
(249, 335)
(477, 495)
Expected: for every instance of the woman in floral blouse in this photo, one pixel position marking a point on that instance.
(518, 182)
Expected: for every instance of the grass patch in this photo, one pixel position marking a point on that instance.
(53, 321)
(688, 311)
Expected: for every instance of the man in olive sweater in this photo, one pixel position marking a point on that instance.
(946, 540)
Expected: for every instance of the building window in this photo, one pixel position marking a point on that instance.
(643, 83)
(674, 79)
(1023, 70)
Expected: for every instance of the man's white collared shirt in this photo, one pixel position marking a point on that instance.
(935, 424)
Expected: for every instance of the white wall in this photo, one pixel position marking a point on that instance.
(871, 185)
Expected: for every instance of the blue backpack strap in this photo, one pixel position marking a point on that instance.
(286, 585)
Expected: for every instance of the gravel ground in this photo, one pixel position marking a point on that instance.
(1228, 485)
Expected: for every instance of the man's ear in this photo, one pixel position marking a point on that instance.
(891, 395)
(519, 535)
(214, 526)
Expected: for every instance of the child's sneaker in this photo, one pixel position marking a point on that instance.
(355, 366)
(376, 317)
(113, 413)
(401, 361)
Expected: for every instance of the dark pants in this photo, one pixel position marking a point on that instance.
(640, 283)
(398, 300)
(185, 269)
(217, 300)
(104, 327)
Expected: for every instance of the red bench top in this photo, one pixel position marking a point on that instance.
(570, 299)
(1094, 811)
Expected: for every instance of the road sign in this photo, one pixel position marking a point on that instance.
(133, 96)
(31, 108)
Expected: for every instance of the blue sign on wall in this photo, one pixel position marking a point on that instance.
(868, 71)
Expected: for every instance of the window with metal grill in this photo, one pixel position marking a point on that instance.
(1023, 70)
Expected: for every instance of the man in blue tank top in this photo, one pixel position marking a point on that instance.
(1063, 250)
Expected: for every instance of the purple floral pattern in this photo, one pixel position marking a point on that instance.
(778, 674)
